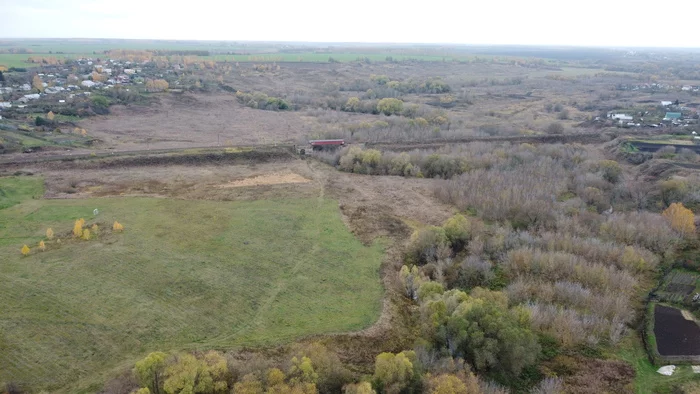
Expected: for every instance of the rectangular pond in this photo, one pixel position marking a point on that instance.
(675, 335)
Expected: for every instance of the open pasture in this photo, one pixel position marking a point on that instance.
(183, 275)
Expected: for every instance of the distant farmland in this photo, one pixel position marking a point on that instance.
(223, 51)
(183, 275)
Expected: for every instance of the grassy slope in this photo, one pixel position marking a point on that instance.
(184, 274)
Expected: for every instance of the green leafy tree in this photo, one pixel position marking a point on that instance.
(100, 105)
(370, 158)
(189, 375)
(332, 374)
(390, 106)
(149, 371)
(453, 384)
(274, 377)
(302, 371)
(395, 372)
(491, 337)
(411, 280)
(674, 190)
(481, 329)
(249, 384)
(458, 231)
(426, 245)
(359, 388)
(611, 170)
(429, 289)
(352, 105)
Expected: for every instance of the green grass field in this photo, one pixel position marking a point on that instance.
(20, 60)
(183, 275)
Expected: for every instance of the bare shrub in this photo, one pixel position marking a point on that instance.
(667, 152)
(523, 194)
(488, 387)
(569, 326)
(609, 305)
(646, 229)
(549, 386)
(629, 258)
(555, 266)
(688, 155)
(427, 245)
(474, 272)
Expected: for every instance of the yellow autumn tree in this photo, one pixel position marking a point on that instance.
(86, 235)
(37, 83)
(49, 233)
(78, 228)
(681, 218)
(97, 77)
(50, 115)
(42, 246)
(117, 226)
(452, 384)
(94, 228)
(359, 388)
(25, 250)
(156, 85)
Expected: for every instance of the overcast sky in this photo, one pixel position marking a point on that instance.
(526, 22)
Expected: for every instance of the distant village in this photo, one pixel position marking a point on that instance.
(665, 113)
(62, 86)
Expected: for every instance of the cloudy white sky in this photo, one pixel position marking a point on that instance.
(647, 23)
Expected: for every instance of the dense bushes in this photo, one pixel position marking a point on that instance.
(262, 101)
(321, 371)
(311, 369)
(480, 328)
(374, 162)
(523, 195)
(396, 87)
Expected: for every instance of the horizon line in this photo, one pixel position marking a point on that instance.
(385, 43)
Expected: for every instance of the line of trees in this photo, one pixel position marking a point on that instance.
(313, 369)
(260, 100)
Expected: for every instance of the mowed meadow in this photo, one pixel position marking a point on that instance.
(182, 275)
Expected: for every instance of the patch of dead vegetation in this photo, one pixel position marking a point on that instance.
(193, 120)
(266, 179)
(592, 376)
(290, 178)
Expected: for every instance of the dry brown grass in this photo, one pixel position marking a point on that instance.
(266, 179)
(190, 120)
